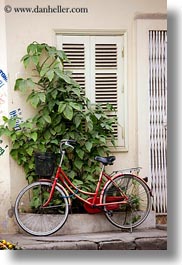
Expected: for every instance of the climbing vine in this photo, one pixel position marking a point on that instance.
(63, 112)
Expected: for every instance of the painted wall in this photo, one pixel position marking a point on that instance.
(103, 15)
(6, 223)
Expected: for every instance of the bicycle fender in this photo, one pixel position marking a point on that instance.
(61, 187)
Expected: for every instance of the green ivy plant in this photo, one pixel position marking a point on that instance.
(63, 112)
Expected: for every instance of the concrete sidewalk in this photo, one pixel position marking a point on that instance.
(139, 239)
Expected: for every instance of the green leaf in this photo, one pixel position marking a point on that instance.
(98, 116)
(54, 94)
(14, 154)
(5, 119)
(30, 179)
(68, 112)
(88, 146)
(29, 151)
(34, 100)
(76, 91)
(51, 105)
(47, 118)
(34, 136)
(61, 107)
(35, 59)
(51, 50)
(77, 120)
(27, 125)
(66, 78)
(42, 97)
(52, 131)
(44, 70)
(78, 163)
(77, 182)
(89, 125)
(47, 135)
(76, 106)
(19, 85)
(5, 131)
(26, 60)
(35, 202)
(80, 153)
(58, 129)
(32, 48)
(62, 55)
(55, 141)
(24, 84)
(102, 139)
(12, 122)
(13, 137)
(60, 73)
(72, 174)
(29, 83)
(50, 74)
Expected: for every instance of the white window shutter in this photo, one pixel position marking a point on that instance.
(108, 78)
(97, 65)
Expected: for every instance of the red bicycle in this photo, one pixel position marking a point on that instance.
(42, 207)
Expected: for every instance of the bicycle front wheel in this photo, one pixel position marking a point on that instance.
(35, 219)
(133, 211)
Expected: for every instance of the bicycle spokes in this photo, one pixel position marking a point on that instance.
(36, 219)
(135, 206)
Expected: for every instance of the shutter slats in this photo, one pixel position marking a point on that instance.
(105, 56)
(79, 78)
(76, 54)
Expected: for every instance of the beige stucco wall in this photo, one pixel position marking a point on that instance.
(6, 222)
(103, 15)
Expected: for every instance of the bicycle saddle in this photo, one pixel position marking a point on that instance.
(105, 160)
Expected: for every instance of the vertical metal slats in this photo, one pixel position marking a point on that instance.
(158, 117)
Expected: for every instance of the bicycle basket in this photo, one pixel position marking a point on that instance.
(44, 164)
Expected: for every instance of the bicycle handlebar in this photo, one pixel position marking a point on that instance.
(67, 143)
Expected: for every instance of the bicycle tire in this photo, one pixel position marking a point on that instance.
(133, 213)
(37, 220)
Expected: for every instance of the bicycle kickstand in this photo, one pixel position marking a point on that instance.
(131, 228)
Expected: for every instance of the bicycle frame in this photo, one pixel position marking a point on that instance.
(96, 197)
(65, 181)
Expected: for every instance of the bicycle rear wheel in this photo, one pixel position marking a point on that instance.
(35, 219)
(135, 211)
